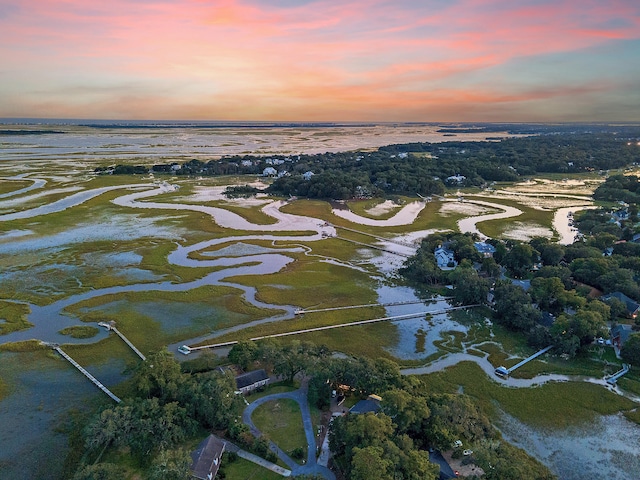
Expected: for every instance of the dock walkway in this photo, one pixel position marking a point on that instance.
(85, 373)
(111, 326)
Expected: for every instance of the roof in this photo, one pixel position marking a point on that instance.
(206, 458)
(632, 306)
(365, 406)
(623, 331)
(446, 472)
(484, 247)
(249, 378)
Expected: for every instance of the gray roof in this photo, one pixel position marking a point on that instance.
(365, 406)
(632, 305)
(623, 331)
(249, 378)
(207, 457)
(483, 247)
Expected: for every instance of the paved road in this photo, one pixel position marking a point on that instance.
(311, 467)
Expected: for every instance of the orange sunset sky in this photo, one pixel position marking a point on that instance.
(301, 60)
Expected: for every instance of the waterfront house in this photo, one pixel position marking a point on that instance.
(632, 305)
(444, 258)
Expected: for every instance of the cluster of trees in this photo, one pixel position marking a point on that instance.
(420, 167)
(560, 277)
(167, 407)
(394, 443)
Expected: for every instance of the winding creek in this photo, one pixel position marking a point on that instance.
(239, 257)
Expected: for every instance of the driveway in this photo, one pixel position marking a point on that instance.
(311, 467)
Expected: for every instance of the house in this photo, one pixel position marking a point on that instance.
(206, 458)
(632, 306)
(307, 175)
(269, 172)
(248, 382)
(486, 250)
(444, 258)
(371, 404)
(456, 179)
(620, 334)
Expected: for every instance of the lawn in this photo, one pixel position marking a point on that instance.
(241, 469)
(281, 421)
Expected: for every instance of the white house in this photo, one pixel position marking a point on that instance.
(308, 175)
(269, 172)
(444, 258)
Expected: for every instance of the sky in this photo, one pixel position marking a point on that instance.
(322, 60)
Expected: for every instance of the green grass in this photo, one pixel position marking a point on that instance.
(496, 228)
(25, 346)
(80, 331)
(271, 389)
(281, 420)
(7, 186)
(13, 317)
(242, 469)
(554, 405)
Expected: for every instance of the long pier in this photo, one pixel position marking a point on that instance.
(504, 371)
(111, 326)
(377, 237)
(302, 311)
(331, 327)
(374, 247)
(85, 373)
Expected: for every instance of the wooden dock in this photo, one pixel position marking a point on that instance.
(614, 378)
(341, 325)
(85, 373)
(302, 311)
(111, 326)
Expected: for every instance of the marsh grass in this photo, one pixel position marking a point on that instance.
(227, 306)
(281, 420)
(496, 228)
(14, 316)
(552, 405)
(80, 331)
(7, 186)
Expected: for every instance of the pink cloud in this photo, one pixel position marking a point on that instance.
(324, 54)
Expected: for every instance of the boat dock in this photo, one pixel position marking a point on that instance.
(93, 379)
(505, 372)
(612, 379)
(330, 327)
(302, 311)
(112, 327)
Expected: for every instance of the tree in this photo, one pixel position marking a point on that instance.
(513, 307)
(630, 351)
(520, 259)
(171, 465)
(406, 410)
(243, 353)
(368, 463)
(468, 287)
(101, 471)
(159, 376)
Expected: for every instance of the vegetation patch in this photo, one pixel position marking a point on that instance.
(80, 331)
(25, 346)
(241, 469)
(13, 317)
(552, 405)
(281, 420)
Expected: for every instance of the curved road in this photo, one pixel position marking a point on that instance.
(311, 467)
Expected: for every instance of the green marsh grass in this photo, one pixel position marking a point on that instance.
(80, 331)
(555, 405)
(13, 317)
